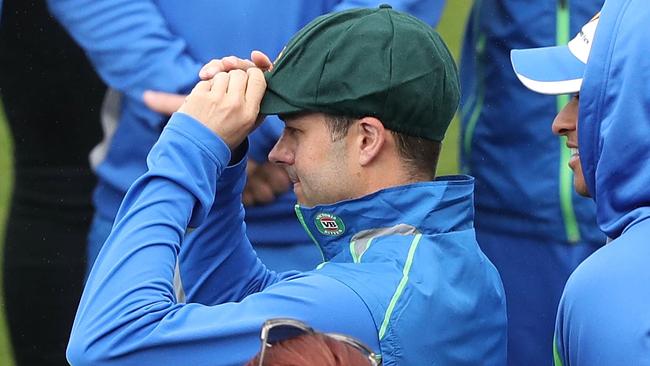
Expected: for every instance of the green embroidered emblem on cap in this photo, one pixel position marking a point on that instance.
(328, 224)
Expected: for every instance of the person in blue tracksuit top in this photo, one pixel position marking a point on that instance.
(529, 222)
(160, 45)
(362, 92)
(603, 316)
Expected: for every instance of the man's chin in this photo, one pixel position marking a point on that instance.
(299, 196)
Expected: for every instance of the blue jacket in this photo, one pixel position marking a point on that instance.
(603, 317)
(404, 272)
(161, 45)
(524, 186)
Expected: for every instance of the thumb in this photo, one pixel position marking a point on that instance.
(261, 60)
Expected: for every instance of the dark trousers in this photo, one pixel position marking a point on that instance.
(52, 100)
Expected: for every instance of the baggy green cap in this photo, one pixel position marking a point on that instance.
(368, 62)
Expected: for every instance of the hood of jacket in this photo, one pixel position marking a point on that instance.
(614, 117)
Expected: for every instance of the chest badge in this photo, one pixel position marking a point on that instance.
(328, 224)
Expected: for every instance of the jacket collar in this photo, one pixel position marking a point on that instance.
(433, 207)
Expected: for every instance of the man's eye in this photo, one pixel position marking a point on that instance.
(290, 130)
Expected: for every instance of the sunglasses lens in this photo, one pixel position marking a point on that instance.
(278, 330)
(281, 332)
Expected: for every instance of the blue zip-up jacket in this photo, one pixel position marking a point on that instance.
(604, 316)
(161, 45)
(404, 273)
(524, 186)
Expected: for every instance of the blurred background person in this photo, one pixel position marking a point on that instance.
(529, 221)
(160, 46)
(52, 101)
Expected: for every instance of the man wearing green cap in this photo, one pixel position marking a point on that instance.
(366, 96)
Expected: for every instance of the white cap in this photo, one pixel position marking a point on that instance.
(556, 70)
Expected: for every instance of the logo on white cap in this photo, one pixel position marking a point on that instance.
(580, 46)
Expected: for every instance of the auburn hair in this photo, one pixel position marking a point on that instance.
(311, 349)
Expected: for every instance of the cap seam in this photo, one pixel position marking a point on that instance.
(320, 77)
(299, 37)
(390, 67)
(327, 60)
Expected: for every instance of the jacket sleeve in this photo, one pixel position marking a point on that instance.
(427, 10)
(129, 44)
(128, 313)
(219, 250)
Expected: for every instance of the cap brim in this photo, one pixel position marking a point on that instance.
(548, 70)
(273, 103)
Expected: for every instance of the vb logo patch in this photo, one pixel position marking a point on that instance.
(328, 224)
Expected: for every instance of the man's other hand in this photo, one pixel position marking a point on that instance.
(264, 183)
(163, 103)
(228, 104)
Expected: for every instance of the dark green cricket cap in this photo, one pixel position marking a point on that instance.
(368, 62)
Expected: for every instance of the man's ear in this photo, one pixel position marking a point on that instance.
(371, 138)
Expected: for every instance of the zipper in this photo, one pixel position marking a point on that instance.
(566, 175)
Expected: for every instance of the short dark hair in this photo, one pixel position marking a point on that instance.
(419, 154)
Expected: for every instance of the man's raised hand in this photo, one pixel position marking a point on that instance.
(258, 59)
(168, 103)
(228, 104)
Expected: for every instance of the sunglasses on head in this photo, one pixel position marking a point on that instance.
(282, 329)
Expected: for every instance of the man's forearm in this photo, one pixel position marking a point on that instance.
(133, 273)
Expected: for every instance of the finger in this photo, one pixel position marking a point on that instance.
(237, 84)
(220, 84)
(164, 103)
(202, 86)
(212, 68)
(255, 87)
(261, 192)
(251, 166)
(236, 63)
(277, 178)
(261, 60)
(247, 197)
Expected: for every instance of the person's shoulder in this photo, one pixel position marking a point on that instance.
(590, 278)
(614, 277)
(603, 311)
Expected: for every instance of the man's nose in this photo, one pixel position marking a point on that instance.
(567, 119)
(281, 154)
